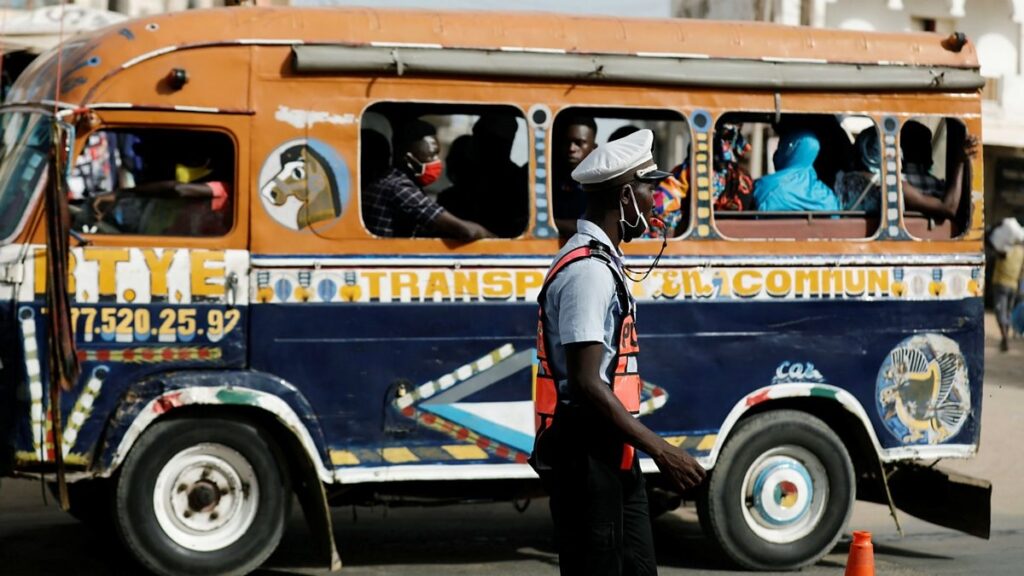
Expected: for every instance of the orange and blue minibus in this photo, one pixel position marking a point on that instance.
(234, 332)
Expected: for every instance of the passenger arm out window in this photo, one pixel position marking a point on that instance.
(935, 176)
(154, 182)
(444, 170)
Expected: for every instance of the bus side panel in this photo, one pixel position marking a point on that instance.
(416, 382)
(709, 356)
(389, 381)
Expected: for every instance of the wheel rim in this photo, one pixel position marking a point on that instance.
(206, 497)
(784, 494)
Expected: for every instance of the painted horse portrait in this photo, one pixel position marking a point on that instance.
(304, 191)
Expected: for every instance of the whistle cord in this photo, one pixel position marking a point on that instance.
(629, 271)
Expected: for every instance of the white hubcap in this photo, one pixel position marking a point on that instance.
(206, 497)
(784, 494)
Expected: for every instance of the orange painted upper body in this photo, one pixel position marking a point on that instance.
(241, 81)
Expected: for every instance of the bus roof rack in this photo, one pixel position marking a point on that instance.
(659, 69)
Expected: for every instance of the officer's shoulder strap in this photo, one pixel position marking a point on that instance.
(602, 253)
(593, 249)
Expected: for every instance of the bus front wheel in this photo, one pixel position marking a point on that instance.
(202, 496)
(780, 493)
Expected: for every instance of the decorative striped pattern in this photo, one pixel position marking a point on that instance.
(700, 120)
(476, 448)
(461, 374)
(700, 444)
(539, 117)
(890, 228)
(83, 407)
(473, 446)
(35, 381)
(151, 354)
(461, 433)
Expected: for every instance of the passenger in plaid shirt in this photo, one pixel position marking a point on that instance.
(394, 204)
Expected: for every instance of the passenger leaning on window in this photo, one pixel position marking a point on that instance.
(923, 192)
(395, 203)
(795, 184)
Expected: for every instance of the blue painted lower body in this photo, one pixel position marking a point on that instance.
(350, 362)
(708, 356)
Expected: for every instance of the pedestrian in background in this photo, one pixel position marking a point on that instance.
(1006, 281)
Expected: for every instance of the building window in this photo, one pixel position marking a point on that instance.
(577, 131)
(126, 182)
(444, 170)
(938, 25)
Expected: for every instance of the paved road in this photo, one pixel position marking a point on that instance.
(496, 539)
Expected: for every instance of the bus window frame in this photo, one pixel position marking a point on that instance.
(527, 232)
(929, 224)
(235, 194)
(684, 117)
(798, 216)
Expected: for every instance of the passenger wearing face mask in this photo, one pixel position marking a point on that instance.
(395, 205)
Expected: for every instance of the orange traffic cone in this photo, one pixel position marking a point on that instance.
(861, 561)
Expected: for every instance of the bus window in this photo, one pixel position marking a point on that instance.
(805, 176)
(934, 180)
(155, 182)
(437, 170)
(577, 131)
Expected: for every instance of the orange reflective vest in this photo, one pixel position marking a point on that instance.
(626, 381)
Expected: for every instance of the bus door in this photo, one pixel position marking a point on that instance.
(158, 260)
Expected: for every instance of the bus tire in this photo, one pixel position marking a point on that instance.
(781, 492)
(202, 496)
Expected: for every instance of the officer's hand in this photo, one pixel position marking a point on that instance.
(681, 468)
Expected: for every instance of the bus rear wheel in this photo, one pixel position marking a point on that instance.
(781, 492)
(202, 496)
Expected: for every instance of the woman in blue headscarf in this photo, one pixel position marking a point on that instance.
(795, 184)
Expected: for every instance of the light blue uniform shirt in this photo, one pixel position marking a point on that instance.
(582, 305)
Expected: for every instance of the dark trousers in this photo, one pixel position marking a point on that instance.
(602, 523)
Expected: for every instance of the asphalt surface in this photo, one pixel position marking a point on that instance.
(37, 538)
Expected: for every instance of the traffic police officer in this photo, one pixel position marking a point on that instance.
(588, 385)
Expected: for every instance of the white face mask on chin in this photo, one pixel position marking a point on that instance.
(638, 227)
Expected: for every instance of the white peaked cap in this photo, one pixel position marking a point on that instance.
(620, 162)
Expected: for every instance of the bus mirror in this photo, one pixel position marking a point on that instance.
(177, 78)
